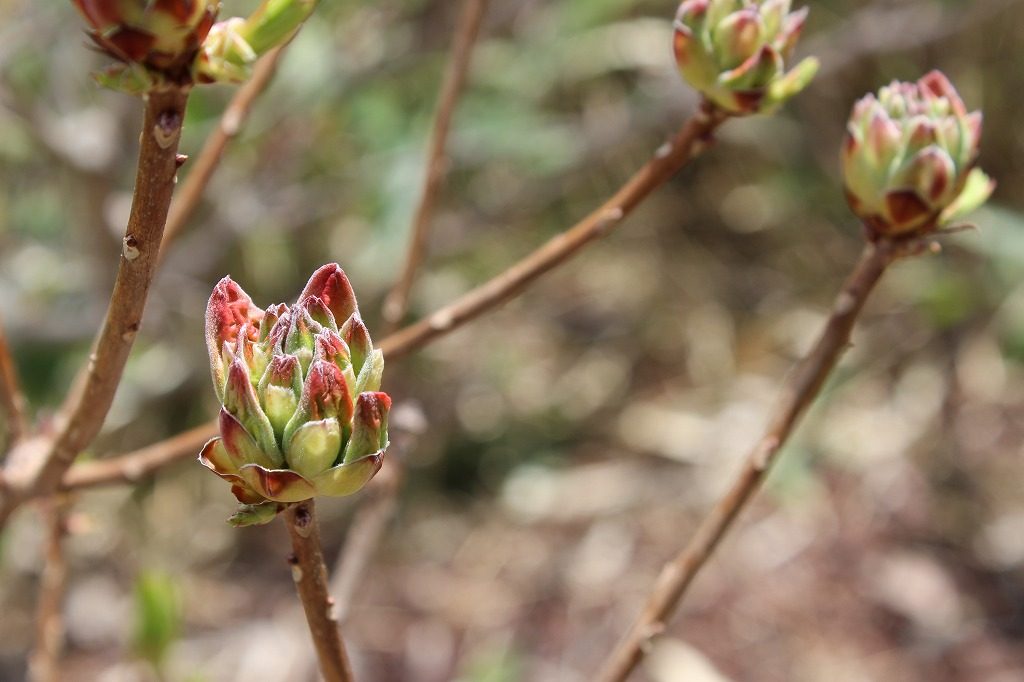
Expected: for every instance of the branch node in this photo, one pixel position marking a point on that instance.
(649, 634)
(303, 520)
(167, 128)
(763, 457)
(231, 121)
(130, 248)
(845, 303)
(129, 333)
(442, 321)
(609, 219)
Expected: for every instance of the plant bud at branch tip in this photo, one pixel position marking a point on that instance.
(301, 413)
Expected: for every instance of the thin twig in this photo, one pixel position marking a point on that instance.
(12, 399)
(375, 512)
(86, 406)
(672, 156)
(466, 32)
(44, 661)
(231, 121)
(134, 466)
(800, 390)
(310, 575)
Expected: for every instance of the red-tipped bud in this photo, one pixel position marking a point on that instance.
(330, 285)
(280, 390)
(227, 312)
(325, 394)
(270, 318)
(301, 335)
(330, 348)
(241, 402)
(357, 338)
(369, 426)
(290, 392)
(318, 310)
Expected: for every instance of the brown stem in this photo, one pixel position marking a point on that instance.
(134, 466)
(666, 162)
(800, 390)
(466, 33)
(12, 399)
(85, 408)
(202, 169)
(44, 661)
(310, 575)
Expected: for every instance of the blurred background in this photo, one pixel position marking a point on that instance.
(558, 450)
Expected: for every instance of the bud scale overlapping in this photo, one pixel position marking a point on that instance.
(176, 42)
(302, 414)
(736, 52)
(161, 36)
(909, 158)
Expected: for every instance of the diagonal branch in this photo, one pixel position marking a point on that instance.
(375, 513)
(799, 392)
(44, 661)
(134, 466)
(466, 33)
(667, 161)
(208, 160)
(12, 400)
(310, 575)
(86, 406)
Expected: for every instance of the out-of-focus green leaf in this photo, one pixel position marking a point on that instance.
(493, 665)
(157, 615)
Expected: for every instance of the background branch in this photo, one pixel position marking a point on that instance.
(310, 575)
(231, 121)
(466, 32)
(12, 399)
(667, 161)
(134, 466)
(800, 390)
(44, 661)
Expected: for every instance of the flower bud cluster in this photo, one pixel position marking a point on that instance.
(909, 158)
(180, 42)
(301, 411)
(737, 52)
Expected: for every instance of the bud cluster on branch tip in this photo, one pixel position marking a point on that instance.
(301, 411)
(177, 42)
(909, 158)
(736, 52)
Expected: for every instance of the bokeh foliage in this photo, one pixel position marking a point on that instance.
(575, 435)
